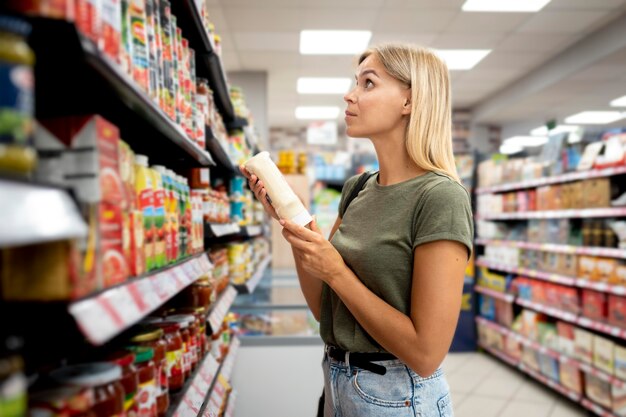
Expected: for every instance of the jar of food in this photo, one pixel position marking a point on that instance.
(62, 401)
(192, 346)
(174, 354)
(147, 392)
(201, 293)
(183, 325)
(200, 314)
(17, 154)
(104, 378)
(155, 339)
(13, 383)
(130, 379)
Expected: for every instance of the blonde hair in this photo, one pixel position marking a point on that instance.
(428, 137)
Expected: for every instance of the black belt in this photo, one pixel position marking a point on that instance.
(361, 359)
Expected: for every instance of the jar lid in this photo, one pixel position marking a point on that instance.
(142, 353)
(88, 374)
(182, 318)
(147, 335)
(122, 358)
(14, 25)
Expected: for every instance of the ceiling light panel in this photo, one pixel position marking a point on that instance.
(462, 59)
(526, 141)
(595, 117)
(317, 112)
(334, 42)
(619, 102)
(307, 85)
(527, 6)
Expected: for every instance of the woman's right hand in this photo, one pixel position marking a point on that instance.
(256, 185)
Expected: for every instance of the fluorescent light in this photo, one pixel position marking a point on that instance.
(334, 42)
(526, 141)
(462, 59)
(619, 102)
(323, 85)
(595, 117)
(504, 5)
(507, 149)
(317, 112)
(543, 130)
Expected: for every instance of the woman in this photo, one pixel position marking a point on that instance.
(387, 286)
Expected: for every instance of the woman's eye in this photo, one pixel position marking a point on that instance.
(369, 84)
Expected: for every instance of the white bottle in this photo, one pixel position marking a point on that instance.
(284, 200)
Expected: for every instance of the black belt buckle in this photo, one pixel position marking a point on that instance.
(357, 359)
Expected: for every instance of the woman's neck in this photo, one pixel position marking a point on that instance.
(395, 163)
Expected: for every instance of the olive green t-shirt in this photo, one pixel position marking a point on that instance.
(376, 239)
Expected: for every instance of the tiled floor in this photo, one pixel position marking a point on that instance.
(483, 386)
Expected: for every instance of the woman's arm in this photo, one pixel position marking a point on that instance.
(311, 286)
(421, 340)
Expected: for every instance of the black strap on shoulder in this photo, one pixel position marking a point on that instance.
(358, 187)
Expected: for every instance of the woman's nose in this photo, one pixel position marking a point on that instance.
(349, 97)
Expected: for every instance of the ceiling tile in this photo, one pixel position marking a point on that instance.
(424, 39)
(268, 19)
(562, 21)
(535, 42)
(344, 65)
(467, 41)
(336, 18)
(486, 22)
(601, 73)
(414, 21)
(495, 75)
(267, 41)
(507, 60)
(268, 60)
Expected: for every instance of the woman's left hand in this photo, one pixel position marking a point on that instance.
(318, 258)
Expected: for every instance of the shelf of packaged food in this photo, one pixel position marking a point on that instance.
(601, 286)
(249, 286)
(220, 309)
(585, 367)
(215, 146)
(601, 327)
(217, 230)
(573, 395)
(35, 213)
(230, 405)
(190, 22)
(552, 247)
(509, 298)
(558, 214)
(210, 66)
(550, 311)
(188, 402)
(229, 362)
(500, 355)
(596, 409)
(104, 315)
(109, 78)
(545, 276)
(574, 176)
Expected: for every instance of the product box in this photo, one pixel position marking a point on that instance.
(530, 324)
(532, 200)
(111, 34)
(504, 313)
(570, 376)
(617, 310)
(55, 9)
(568, 264)
(586, 267)
(603, 354)
(598, 390)
(548, 366)
(605, 268)
(618, 398)
(620, 362)
(530, 358)
(583, 345)
(597, 193)
(570, 301)
(619, 275)
(566, 338)
(594, 304)
(512, 347)
(548, 336)
(577, 195)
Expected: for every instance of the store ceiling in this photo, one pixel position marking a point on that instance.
(264, 35)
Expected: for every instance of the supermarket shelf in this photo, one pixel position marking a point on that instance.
(188, 402)
(595, 408)
(601, 286)
(253, 230)
(500, 355)
(220, 309)
(550, 247)
(92, 75)
(221, 156)
(509, 298)
(573, 395)
(550, 311)
(190, 22)
(216, 230)
(108, 313)
(230, 405)
(33, 213)
(249, 286)
(585, 367)
(545, 276)
(574, 176)
(229, 363)
(558, 214)
(210, 66)
(238, 123)
(601, 327)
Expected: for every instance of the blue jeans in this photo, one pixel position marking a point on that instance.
(354, 392)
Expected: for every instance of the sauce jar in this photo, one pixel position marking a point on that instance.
(17, 101)
(193, 343)
(183, 326)
(13, 383)
(147, 392)
(129, 380)
(155, 339)
(174, 354)
(104, 378)
(62, 401)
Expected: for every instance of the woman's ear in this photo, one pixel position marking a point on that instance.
(406, 108)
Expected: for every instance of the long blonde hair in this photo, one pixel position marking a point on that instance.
(428, 137)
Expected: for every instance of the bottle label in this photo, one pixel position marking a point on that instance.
(16, 104)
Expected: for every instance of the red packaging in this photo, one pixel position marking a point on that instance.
(569, 300)
(617, 310)
(115, 269)
(111, 38)
(594, 305)
(137, 254)
(55, 9)
(87, 14)
(532, 200)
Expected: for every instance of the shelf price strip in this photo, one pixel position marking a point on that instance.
(559, 279)
(220, 230)
(229, 362)
(107, 314)
(509, 298)
(216, 317)
(552, 247)
(557, 214)
(194, 397)
(589, 405)
(574, 176)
